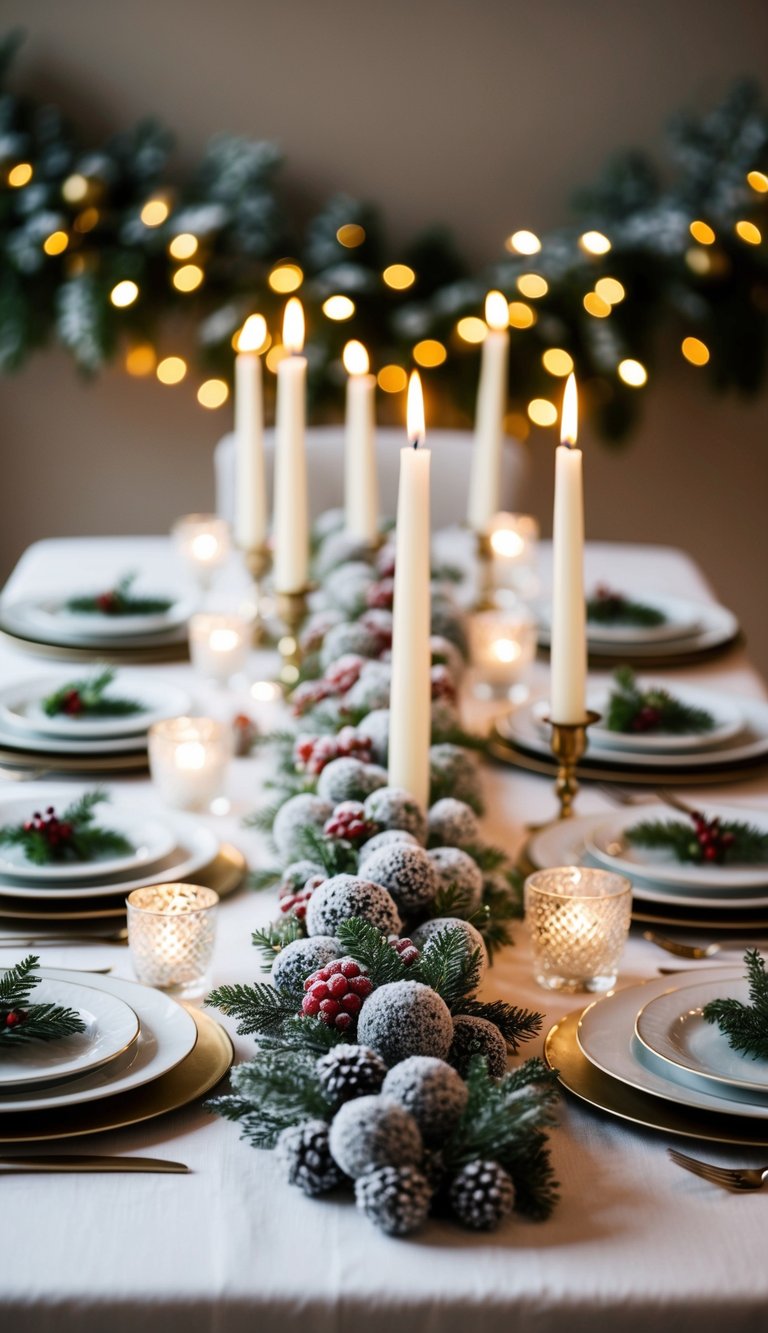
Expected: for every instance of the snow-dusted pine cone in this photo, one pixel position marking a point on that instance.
(348, 638)
(453, 823)
(395, 1198)
(482, 1195)
(350, 1071)
(476, 1036)
(386, 839)
(369, 1132)
(432, 1091)
(304, 1154)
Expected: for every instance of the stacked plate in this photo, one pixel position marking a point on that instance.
(689, 630)
(141, 1054)
(80, 743)
(46, 626)
(646, 1054)
(736, 743)
(166, 848)
(663, 889)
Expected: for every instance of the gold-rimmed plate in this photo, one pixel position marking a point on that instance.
(564, 1055)
(112, 654)
(499, 748)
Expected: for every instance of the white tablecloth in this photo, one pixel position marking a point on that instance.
(231, 1248)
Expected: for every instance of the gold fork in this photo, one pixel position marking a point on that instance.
(740, 1178)
(698, 951)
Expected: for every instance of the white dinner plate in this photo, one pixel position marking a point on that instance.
(111, 1027)
(714, 625)
(607, 842)
(21, 706)
(152, 839)
(689, 1049)
(680, 622)
(607, 1038)
(167, 1034)
(35, 742)
(22, 618)
(51, 615)
(727, 716)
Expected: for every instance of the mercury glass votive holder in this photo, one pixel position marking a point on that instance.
(502, 646)
(171, 933)
(219, 644)
(578, 920)
(189, 760)
(203, 541)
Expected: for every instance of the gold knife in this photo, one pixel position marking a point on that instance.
(91, 1162)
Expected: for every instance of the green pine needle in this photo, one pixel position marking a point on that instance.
(91, 696)
(122, 603)
(86, 842)
(273, 938)
(516, 1025)
(745, 1025)
(258, 1008)
(749, 846)
(363, 942)
(613, 608)
(446, 965)
(651, 712)
(40, 1022)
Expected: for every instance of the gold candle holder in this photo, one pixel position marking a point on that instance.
(485, 600)
(258, 560)
(291, 610)
(569, 742)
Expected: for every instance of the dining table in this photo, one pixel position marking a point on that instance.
(634, 1241)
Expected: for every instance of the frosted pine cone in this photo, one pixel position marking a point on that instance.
(477, 1036)
(482, 1195)
(299, 959)
(291, 820)
(304, 1154)
(349, 780)
(395, 1198)
(350, 1071)
(456, 869)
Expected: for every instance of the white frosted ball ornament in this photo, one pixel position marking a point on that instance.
(456, 869)
(453, 823)
(345, 896)
(405, 1018)
(370, 1132)
(297, 960)
(293, 817)
(407, 873)
(387, 838)
(433, 1092)
(393, 807)
(349, 779)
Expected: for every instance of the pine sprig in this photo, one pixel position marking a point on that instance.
(614, 608)
(273, 938)
(651, 712)
(258, 1008)
(78, 697)
(745, 1025)
(448, 967)
(268, 877)
(119, 601)
(502, 905)
(516, 1025)
(335, 855)
(18, 982)
(735, 842)
(278, 1089)
(22, 1022)
(363, 942)
(73, 837)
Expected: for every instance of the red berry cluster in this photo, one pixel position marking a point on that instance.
(309, 693)
(349, 822)
(442, 684)
(614, 601)
(13, 1018)
(381, 596)
(711, 843)
(335, 993)
(72, 703)
(245, 733)
(407, 950)
(385, 562)
(312, 753)
(294, 901)
(108, 602)
(57, 832)
(345, 672)
(646, 718)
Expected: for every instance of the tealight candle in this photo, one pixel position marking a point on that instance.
(578, 920)
(188, 760)
(502, 644)
(203, 542)
(513, 541)
(171, 933)
(218, 645)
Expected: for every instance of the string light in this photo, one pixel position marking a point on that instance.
(703, 233)
(695, 351)
(557, 361)
(596, 306)
(748, 232)
(698, 260)
(75, 188)
(633, 373)
(171, 370)
(392, 379)
(188, 277)
(542, 412)
(610, 290)
(523, 243)
(350, 235)
(399, 276)
(124, 293)
(213, 393)
(20, 175)
(759, 181)
(429, 352)
(521, 316)
(56, 243)
(86, 221)
(338, 307)
(286, 278)
(532, 285)
(154, 212)
(471, 329)
(140, 360)
(183, 246)
(594, 243)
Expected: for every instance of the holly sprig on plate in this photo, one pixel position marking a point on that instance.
(88, 698)
(119, 601)
(74, 836)
(607, 607)
(745, 1025)
(22, 1022)
(653, 711)
(702, 841)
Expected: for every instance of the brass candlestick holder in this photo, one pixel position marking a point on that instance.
(291, 610)
(485, 600)
(569, 742)
(257, 561)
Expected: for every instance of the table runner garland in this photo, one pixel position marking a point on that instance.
(377, 1067)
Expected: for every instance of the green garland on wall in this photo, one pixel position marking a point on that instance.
(657, 264)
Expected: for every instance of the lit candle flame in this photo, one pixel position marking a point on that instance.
(496, 311)
(569, 421)
(415, 413)
(253, 334)
(293, 325)
(355, 358)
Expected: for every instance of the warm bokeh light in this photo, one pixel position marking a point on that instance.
(523, 243)
(415, 410)
(171, 370)
(557, 361)
(56, 243)
(355, 358)
(20, 175)
(141, 360)
(265, 691)
(569, 419)
(124, 293)
(350, 235)
(213, 393)
(610, 290)
(399, 276)
(521, 316)
(695, 351)
(532, 285)
(86, 221)
(748, 232)
(542, 412)
(758, 180)
(75, 188)
(392, 379)
(183, 246)
(252, 335)
(154, 212)
(188, 277)
(338, 307)
(471, 329)
(633, 373)
(594, 243)
(507, 543)
(496, 311)
(506, 650)
(275, 355)
(293, 325)
(703, 233)
(698, 260)
(517, 425)
(595, 305)
(286, 278)
(429, 352)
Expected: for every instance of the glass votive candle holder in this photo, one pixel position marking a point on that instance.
(219, 644)
(171, 933)
(514, 544)
(188, 760)
(203, 541)
(578, 920)
(502, 645)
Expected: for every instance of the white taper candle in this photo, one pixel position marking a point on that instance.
(485, 479)
(361, 493)
(250, 483)
(291, 513)
(568, 653)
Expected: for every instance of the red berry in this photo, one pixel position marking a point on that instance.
(300, 911)
(14, 1017)
(360, 986)
(329, 1009)
(337, 986)
(343, 1021)
(320, 991)
(310, 1005)
(352, 1003)
(710, 853)
(349, 968)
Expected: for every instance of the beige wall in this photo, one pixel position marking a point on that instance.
(483, 115)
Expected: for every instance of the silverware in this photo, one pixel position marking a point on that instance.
(740, 1178)
(91, 1162)
(625, 795)
(108, 937)
(22, 774)
(698, 951)
(92, 971)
